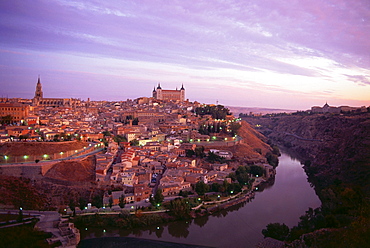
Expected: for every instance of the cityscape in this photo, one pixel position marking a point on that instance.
(184, 124)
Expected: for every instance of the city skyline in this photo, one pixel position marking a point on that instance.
(236, 53)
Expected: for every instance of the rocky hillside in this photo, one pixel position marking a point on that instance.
(253, 143)
(336, 153)
(74, 170)
(333, 145)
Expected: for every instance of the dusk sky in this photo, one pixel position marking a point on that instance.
(252, 53)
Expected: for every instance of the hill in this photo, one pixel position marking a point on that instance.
(336, 151)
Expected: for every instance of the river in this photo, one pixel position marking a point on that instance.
(284, 201)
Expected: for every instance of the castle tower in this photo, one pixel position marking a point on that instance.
(159, 95)
(182, 93)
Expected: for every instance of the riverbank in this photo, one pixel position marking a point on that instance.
(137, 218)
(282, 200)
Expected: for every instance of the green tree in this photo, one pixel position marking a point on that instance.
(201, 188)
(122, 202)
(106, 133)
(25, 137)
(7, 119)
(134, 142)
(215, 187)
(135, 121)
(199, 152)
(180, 208)
(234, 127)
(189, 153)
(272, 159)
(97, 201)
(20, 215)
(212, 158)
(119, 138)
(257, 170)
(242, 175)
(82, 203)
(158, 198)
(276, 230)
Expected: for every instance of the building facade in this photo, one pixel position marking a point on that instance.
(169, 95)
(18, 112)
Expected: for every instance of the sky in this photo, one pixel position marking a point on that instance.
(250, 53)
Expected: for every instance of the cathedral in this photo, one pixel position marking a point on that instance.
(39, 99)
(169, 95)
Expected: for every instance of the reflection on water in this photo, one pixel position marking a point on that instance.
(283, 200)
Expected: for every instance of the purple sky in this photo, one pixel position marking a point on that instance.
(257, 53)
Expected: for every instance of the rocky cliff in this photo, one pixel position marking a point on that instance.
(336, 154)
(335, 147)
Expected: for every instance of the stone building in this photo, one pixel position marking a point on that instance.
(39, 99)
(19, 112)
(169, 95)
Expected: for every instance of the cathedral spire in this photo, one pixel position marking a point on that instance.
(38, 92)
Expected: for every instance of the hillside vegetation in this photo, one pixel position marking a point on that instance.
(336, 154)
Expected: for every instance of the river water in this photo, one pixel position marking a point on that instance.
(283, 201)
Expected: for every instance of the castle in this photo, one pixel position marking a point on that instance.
(39, 99)
(169, 95)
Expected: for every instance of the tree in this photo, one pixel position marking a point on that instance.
(257, 170)
(122, 202)
(134, 142)
(82, 203)
(97, 201)
(119, 138)
(189, 153)
(272, 159)
(199, 152)
(201, 188)
(158, 198)
(8, 119)
(276, 230)
(72, 205)
(135, 121)
(212, 158)
(106, 133)
(215, 187)
(234, 127)
(25, 137)
(241, 175)
(180, 208)
(20, 215)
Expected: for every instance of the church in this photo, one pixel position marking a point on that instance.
(40, 101)
(169, 95)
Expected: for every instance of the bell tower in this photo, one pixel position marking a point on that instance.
(38, 93)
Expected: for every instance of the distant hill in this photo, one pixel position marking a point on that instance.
(246, 110)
